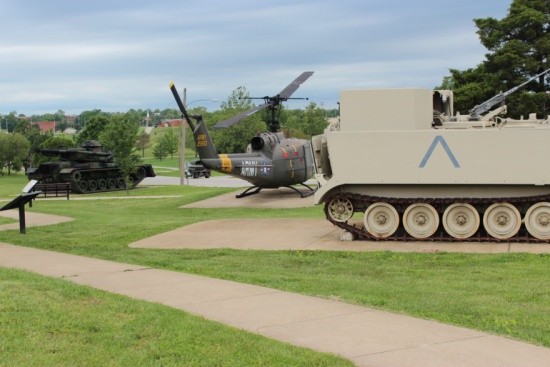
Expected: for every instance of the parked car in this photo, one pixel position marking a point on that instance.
(195, 169)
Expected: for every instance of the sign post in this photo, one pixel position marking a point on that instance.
(19, 203)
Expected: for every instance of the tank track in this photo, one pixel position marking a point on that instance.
(97, 174)
(362, 202)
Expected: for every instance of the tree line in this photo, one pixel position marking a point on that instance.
(518, 48)
(120, 132)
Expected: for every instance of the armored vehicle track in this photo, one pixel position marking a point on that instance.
(103, 179)
(510, 219)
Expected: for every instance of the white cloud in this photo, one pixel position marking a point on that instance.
(118, 55)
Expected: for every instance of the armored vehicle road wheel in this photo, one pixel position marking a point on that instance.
(420, 220)
(83, 186)
(461, 220)
(381, 220)
(102, 184)
(340, 209)
(111, 183)
(502, 220)
(537, 221)
(120, 183)
(140, 174)
(76, 176)
(92, 185)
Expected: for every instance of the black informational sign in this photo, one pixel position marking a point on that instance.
(19, 203)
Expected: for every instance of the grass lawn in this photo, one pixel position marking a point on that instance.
(51, 322)
(507, 294)
(6, 220)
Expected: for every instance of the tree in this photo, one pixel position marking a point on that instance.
(519, 48)
(166, 144)
(16, 150)
(189, 138)
(170, 141)
(3, 151)
(293, 124)
(314, 120)
(23, 126)
(235, 139)
(119, 136)
(10, 121)
(85, 116)
(143, 142)
(159, 150)
(36, 139)
(58, 142)
(94, 124)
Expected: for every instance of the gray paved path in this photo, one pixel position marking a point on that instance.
(367, 337)
(305, 234)
(214, 181)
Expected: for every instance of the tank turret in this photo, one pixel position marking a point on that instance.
(78, 155)
(87, 168)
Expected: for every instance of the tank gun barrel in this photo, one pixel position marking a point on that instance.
(56, 152)
(50, 152)
(499, 98)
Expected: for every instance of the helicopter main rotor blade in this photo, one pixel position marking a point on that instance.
(233, 120)
(292, 87)
(270, 101)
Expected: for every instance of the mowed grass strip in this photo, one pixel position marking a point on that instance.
(52, 322)
(4, 220)
(506, 294)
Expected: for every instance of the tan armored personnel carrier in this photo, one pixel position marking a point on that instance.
(401, 165)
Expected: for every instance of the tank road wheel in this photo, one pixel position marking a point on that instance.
(537, 221)
(111, 183)
(460, 220)
(101, 184)
(420, 220)
(502, 220)
(381, 220)
(140, 174)
(340, 209)
(83, 186)
(92, 185)
(76, 176)
(120, 183)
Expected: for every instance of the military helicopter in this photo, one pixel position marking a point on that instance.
(272, 161)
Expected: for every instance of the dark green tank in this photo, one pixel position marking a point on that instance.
(87, 169)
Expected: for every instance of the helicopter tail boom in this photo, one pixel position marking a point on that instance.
(203, 142)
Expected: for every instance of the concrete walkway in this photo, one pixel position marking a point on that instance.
(214, 181)
(367, 337)
(305, 234)
(32, 219)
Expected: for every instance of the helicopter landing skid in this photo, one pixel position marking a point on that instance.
(248, 192)
(256, 189)
(303, 194)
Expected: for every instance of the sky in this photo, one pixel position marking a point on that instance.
(119, 55)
